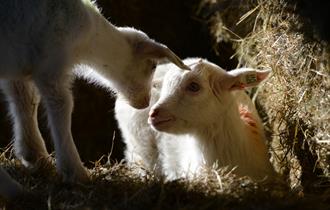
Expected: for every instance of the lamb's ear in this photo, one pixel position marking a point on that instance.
(157, 51)
(242, 78)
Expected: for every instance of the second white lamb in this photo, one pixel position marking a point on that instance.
(197, 118)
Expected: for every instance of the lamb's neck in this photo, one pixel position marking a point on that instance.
(105, 49)
(224, 140)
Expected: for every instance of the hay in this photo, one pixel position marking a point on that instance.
(116, 186)
(296, 97)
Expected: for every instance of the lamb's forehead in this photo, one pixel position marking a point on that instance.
(173, 76)
(206, 68)
(134, 36)
(130, 31)
(202, 69)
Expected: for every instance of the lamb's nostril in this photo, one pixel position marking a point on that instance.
(153, 112)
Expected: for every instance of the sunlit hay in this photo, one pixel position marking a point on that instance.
(296, 97)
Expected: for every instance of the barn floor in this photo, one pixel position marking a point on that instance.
(115, 186)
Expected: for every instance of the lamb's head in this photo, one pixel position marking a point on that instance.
(192, 100)
(140, 65)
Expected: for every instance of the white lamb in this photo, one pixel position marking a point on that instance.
(42, 41)
(200, 117)
(140, 139)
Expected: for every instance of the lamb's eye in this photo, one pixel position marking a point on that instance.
(153, 64)
(150, 70)
(193, 87)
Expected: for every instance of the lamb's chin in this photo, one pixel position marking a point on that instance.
(170, 127)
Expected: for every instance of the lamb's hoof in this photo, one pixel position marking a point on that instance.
(39, 161)
(44, 164)
(80, 176)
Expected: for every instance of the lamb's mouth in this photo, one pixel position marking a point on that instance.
(159, 123)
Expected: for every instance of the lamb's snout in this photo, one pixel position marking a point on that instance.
(159, 117)
(153, 115)
(141, 104)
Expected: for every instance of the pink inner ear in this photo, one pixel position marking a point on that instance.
(238, 86)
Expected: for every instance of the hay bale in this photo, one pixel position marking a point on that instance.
(296, 98)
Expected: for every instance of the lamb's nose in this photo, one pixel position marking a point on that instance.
(141, 104)
(154, 112)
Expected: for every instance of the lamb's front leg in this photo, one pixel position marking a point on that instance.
(23, 100)
(59, 104)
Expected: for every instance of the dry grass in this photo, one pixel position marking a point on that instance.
(116, 186)
(296, 98)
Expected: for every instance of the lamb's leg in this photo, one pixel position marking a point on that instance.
(58, 101)
(23, 100)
